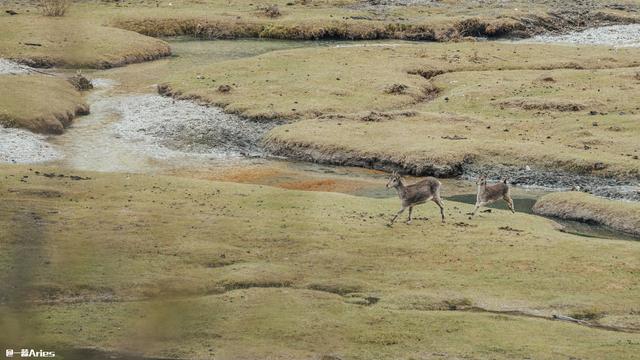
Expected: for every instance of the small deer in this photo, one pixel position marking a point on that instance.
(491, 193)
(416, 194)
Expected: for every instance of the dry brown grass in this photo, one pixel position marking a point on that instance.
(44, 104)
(54, 7)
(76, 43)
(257, 272)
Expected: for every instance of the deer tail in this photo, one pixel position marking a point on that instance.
(505, 180)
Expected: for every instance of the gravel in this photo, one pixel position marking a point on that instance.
(558, 181)
(165, 126)
(615, 35)
(10, 67)
(19, 146)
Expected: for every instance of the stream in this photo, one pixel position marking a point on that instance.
(133, 129)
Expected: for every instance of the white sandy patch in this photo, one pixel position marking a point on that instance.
(11, 67)
(19, 146)
(164, 126)
(616, 35)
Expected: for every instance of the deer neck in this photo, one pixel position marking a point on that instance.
(401, 188)
(481, 188)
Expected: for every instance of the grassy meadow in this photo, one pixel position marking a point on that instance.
(438, 105)
(206, 263)
(73, 43)
(187, 268)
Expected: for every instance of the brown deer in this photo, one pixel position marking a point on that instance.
(488, 194)
(415, 194)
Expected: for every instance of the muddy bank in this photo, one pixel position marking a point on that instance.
(627, 189)
(311, 153)
(621, 216)
(609, 187)
(365, 28)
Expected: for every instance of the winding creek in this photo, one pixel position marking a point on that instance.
(133, 129)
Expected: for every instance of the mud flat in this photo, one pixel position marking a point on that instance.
(577, 206)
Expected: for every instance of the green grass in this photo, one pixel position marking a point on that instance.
(622, 216)
(179, 267)
(73, 43)
(44, 104)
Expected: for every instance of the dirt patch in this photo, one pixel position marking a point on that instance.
(80, 82)
(45, 193)
(427, 73)
(270, 11)
(396, 89)
(429, 92)
(539, 104)
(337, 287)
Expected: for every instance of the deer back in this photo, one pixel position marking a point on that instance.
(494, 192)
(420, 192)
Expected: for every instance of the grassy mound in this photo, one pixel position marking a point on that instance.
(622, 216)
(430, 108)
(188, 268)
(43, 104)
(68, 42)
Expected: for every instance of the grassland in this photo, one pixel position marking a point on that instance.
(73, 43)
(431, 108)
(43, 104)
(190, 268)
(349, 19)
(346, 19)
(583, 207)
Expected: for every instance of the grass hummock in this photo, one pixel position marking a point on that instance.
(619, 215)
(42, 104)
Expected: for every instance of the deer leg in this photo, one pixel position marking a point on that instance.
(398, 214)
(478, 205)
(438, 201)
(410, 212)
(509, 201)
